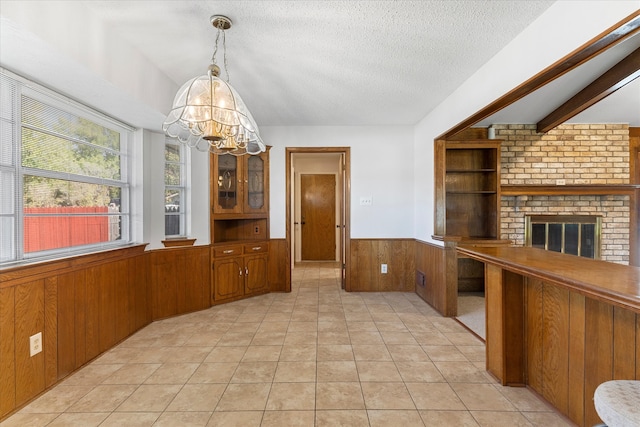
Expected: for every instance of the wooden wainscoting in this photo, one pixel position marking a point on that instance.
(181, 278)
(574, 344)
(82, 305)
(368, 254)
(279, 270)
(430, 260)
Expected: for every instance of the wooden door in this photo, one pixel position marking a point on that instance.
(318, 217)
(228, 278)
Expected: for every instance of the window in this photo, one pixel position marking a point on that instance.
(175, 166)
(64, 173)
(569, 234)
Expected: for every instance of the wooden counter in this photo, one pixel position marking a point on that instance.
(560, 324)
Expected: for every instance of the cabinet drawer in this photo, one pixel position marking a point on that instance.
(256, 248)
(224, 251)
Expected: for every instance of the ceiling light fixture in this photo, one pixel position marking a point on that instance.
(209, 115)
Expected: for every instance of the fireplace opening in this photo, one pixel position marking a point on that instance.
(569, 234)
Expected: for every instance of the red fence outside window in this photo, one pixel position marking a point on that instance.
(59, 227)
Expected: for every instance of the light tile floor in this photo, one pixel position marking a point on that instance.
(317, 356)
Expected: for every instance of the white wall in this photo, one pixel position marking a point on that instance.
(152, 192)
(564, 27)
(381, 167)
(38, 39)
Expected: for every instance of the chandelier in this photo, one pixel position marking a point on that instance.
(209, 115)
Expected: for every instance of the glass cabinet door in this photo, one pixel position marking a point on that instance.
(254, 184)
(227, 191)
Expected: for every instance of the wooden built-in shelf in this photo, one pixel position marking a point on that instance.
(568, 190)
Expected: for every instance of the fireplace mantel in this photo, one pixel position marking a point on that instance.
(568, 190)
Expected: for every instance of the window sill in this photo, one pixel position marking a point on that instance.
(180, 241)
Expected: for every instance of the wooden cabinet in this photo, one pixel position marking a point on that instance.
(468, 189)
(239, 226)
(240, 198)
(239, 270)
(240, 184)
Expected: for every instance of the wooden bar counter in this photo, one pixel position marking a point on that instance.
(560, 324)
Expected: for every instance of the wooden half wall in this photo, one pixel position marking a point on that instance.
(366, 258)
(181, 280)
(430, 262)
(85, 305)
(279, 270)
(82, 306)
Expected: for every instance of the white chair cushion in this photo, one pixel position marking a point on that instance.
(618, 403)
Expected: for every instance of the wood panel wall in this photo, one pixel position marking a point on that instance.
(574, 344)
(85, 305)
(181, 280)
(430, 260)
(279, 269)
(368, 254)
(82, 305)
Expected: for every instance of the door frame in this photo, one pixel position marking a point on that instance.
(345, 205)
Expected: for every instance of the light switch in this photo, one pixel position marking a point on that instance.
(366, 200)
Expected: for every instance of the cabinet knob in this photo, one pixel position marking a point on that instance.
(256, 248)
(240, 272)
(228, 251)
(246, 271)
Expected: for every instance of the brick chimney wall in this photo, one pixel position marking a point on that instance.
(580, 154)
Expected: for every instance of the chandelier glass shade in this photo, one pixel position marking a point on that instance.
(209, 115)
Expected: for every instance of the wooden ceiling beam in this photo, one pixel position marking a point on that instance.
(619, 75)
(609, 38)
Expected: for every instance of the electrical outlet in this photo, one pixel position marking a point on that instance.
(383, 268)
(561, 182)
(35, 344)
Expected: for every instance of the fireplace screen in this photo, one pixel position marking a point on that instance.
(575, 234)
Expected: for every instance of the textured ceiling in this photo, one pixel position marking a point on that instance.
(327, 62)
(293, 62)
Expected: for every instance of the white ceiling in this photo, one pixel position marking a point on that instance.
(325, 62)
(622, 106)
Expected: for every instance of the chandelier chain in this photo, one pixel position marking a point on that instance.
(224, 50)
(215, 50)
(224, 53)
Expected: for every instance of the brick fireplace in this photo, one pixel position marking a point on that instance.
(579, 154)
